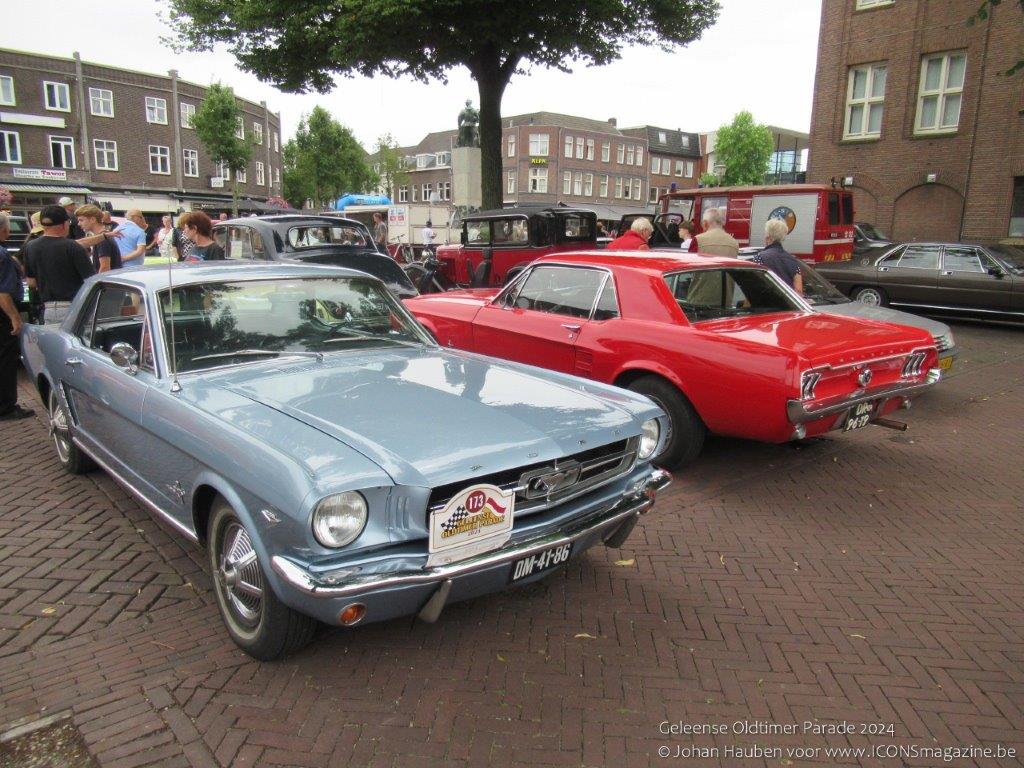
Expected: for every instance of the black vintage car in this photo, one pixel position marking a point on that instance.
(949, 279)
(311, 240)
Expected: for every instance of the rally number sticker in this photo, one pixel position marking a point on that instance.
(477, 519)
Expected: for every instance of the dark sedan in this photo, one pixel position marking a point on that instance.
(303, 239)
(957, 279)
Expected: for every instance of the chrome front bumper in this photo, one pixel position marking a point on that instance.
(637, 501)
(800, 412)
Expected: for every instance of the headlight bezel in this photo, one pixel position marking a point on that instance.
(323, 531)
(646, 438)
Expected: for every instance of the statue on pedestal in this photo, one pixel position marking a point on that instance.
(469, 118)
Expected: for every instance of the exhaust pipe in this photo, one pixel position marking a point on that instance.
(899, 426)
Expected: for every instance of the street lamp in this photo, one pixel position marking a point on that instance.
(719, 169)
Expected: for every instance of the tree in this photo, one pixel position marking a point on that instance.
(986, 7)
(324, 161)
(708, 179)
(391, 165)
(216, 124)
(745, 149)
(299, 47)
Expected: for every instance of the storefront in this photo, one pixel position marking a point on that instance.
(29, 198)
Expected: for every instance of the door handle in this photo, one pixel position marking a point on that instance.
(73, 361)
(883, 269)
(571, 328)
(947, 272)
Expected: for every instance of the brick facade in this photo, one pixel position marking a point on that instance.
(132, 127)
(945, 185)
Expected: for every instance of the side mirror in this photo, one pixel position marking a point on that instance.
(125, 357)
(996, 272)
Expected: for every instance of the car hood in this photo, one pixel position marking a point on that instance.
(885, 315)
(822, 338)
(429, 417)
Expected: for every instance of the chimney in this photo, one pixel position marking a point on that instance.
(613, 122)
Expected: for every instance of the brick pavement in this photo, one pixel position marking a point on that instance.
(869, 577)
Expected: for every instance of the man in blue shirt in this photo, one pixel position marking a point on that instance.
(132, 242)
(10, 327)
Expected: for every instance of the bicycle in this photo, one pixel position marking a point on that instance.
(404, 253)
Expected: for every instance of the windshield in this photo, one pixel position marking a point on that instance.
(1011, 255)
(870, 231)
(818, 290)
(710, 294)
(326, 234)
(224, 323)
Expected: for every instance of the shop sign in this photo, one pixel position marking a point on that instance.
(56, 174)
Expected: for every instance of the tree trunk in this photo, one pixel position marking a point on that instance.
(491, 85)
(234, 196)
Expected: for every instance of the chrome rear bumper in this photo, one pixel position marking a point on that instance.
(638, 500)
(800, 412)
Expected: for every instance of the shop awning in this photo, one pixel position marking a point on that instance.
(144, 203)
(54, 189)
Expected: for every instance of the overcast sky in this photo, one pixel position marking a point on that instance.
(760, 56)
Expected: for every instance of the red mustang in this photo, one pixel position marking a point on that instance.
(721, 345)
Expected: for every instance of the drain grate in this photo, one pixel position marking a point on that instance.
(51, 742)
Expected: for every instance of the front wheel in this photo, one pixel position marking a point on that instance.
(258, 622)
(70, 456)
(686, 431)
(871, 296)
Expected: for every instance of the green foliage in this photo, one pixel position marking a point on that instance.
(745, 149)
(391, 163)
(324, 161)
(302, 46)
(215, 123)
(982, 14)
(708, 179)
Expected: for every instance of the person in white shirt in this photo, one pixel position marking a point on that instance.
(427, 237)
(685, 234)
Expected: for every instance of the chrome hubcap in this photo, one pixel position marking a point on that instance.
(239, 576)
(870, 298)
(59, 428)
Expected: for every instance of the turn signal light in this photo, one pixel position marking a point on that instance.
(352, 614)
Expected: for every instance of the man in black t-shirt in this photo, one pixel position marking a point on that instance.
(10, 327)
(105, 254)
(55, 265)
(69, 205)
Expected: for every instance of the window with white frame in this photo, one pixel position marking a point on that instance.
(276, 148)
(652, 195)
(62, 151)
(104, 153)
(568, 146)
(942, 86)
(277, 176)
(639, 155)
(685, 140)
(539, 179)
(679, 167)
(403, 193)
(510, 182)
(620, 153)
(260, 175)
(688, 169)
(188, 114)
(156, 110)
(223, 172)
(240, 127)
(662, 137)
(10, 147)
(56, 96)
(630, 155)
(655, 164)
(577, 183)
(865, 101)
(443, 158)
(872, 3)
(618, 186)
(511, 142)
(101, 102)
(606, 151)
(7, 96)
(588, 185)
(590, 149)
(579, 147)
(190, 162)
(444, 190)
(602, 187)
(257, 132)
(415, 193)
(566, 182)
(159, 160)
(539, 148)
(241, 175)
(627, 193)
(428, 188)
(637, 189)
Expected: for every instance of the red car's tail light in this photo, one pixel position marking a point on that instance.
(808, 381)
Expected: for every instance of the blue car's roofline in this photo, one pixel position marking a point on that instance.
(155, 277)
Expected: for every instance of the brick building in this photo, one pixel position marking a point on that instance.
(69, 127)
(674, 157)
(429, 165)
(911, 110)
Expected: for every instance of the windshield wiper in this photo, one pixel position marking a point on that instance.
(258, 353)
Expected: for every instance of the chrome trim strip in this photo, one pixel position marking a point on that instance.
(830, 367)
(801, 413)
(957, 309)
(319, 585)
(153, 508)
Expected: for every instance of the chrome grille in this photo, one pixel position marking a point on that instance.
(579, 473)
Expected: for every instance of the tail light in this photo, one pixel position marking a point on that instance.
(808, 381)
(913, 364)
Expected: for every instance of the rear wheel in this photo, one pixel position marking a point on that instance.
(686, 431)
(70, 456)
(873, 297)
(258, 622)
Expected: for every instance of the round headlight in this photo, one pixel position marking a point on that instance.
(339, 519)
(651, 431)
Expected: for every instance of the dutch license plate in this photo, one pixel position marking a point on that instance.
(541, 561)
(945, 363)
(859, 416)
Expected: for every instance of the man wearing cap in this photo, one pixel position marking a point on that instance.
(131, 239)
(10, 327)
(56, 265)
(74, 231)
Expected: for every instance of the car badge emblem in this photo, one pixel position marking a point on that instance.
(864, 377)
(548, 481)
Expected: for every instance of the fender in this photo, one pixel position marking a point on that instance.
(655, 368)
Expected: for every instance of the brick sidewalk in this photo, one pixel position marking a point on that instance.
(869, 577)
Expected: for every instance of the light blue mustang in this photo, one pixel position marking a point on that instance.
(337, 465)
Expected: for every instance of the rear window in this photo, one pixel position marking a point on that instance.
(19, 226)
(578, 227)
(310, 236)
(711, 294)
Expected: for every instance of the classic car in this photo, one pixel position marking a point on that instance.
(720, 344)
(336, 464)
(866, 237)
(308, 239)
(496, 245)
(949, 279)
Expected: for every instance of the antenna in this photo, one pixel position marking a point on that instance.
(175, 385)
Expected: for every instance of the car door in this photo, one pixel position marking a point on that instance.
(540, 319)
(970, 280)
(106, 400)
(912, 278)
